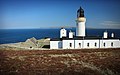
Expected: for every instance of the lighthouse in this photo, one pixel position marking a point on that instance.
(82, 41)
(81, 20)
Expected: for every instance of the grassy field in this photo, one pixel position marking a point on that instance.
(60, 62)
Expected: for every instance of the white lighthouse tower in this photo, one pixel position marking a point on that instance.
(80, 29)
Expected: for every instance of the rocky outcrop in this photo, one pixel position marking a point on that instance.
(31, 43)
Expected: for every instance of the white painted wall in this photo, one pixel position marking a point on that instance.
(70, 34)
(116, 43)
(77, 45)
(66, 44)
(63, 33)
(55, 44)
(91, 43)
(80, 29)
(112, 35)
(105, 34)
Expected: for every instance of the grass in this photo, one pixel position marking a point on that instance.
(60, 62)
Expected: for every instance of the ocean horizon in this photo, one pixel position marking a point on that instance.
(21, 35)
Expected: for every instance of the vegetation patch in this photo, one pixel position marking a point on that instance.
(60, 62)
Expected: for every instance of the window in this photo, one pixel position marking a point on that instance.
(70, 44)
(87, 44)
(111, 43)
(104, 44)
(30, 46)
(79, 44)
(95, 44)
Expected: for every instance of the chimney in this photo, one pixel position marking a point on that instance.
(105, 34)
(70, 34)
(63, 33)
(112, 35)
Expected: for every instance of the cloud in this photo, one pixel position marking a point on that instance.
(111, 24)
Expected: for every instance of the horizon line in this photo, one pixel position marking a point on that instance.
(58, 28)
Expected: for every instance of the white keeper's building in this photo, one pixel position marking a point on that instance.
(81, 41)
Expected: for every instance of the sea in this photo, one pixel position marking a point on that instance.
(21, 35)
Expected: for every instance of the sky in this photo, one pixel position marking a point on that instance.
(27, 14)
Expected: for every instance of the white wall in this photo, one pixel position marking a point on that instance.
(66, 44)
(105, 35)
(77, 46)
(91, 43)
(63, 33)
(80, 30)
(55, 44)
(116, 43)
(70, 34)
